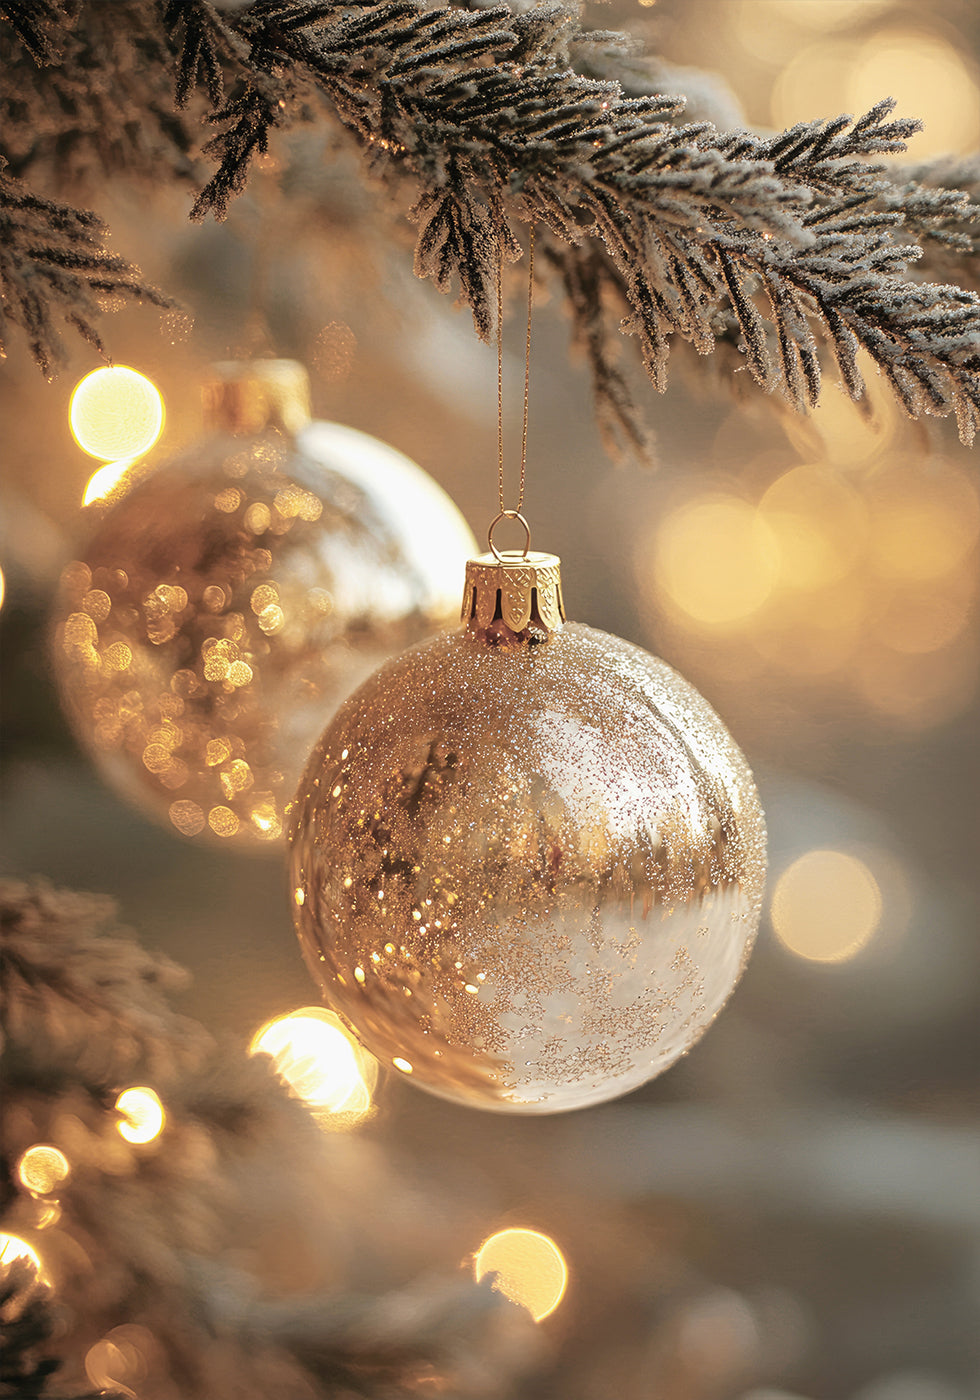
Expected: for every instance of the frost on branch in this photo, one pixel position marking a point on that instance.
(53, 263)
(790, 251)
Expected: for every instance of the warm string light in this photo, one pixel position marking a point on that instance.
(122, 1360)
(142, 1115)
(106, 480)
(13, 1250)
(826, 906)
(42, 1169)
(321, 1063)
(528, 1268)
(115, 412)
(863, 577)
(923, 72)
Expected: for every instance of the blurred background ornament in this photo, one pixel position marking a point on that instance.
(227, 599)
(527, 860)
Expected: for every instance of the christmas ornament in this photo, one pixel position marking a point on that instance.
(527, 859)
(238, 592)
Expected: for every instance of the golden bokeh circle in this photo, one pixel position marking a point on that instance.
(115, 412)
(530, 1269)
(826, 906)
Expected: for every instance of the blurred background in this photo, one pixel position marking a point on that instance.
(793, 1210)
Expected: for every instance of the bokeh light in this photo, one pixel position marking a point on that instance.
(121, 1360)
(822, 14)
(819, 523)
(715, 559)
(142, 1113)
(106, 481)
(858, 573)
(13, 1248)
(115, 413)
(826, 906)
(924, 73)
(530, 1269)
(43, 1169)
(926, 520)
(928, 79)
(322, 1064)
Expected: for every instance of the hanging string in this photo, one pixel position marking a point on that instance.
(500, 381)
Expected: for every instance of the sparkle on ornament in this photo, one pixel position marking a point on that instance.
(564, 889)
(43, 1169)
(115, 413)
(142, 1115)
(529, 1267)
(320, 1062)
(826, 906)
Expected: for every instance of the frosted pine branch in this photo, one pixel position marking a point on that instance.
(53, 263)
(792, 250)
(152, 1236)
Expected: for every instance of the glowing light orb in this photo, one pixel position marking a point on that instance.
(929, 80)
(115, 413)
(716, 559)
(142, 1113)
(826, 906)
(529, 1266)
(122, 1359)
(43, 1169)
(318, 1059)
(13, 1248)
(104, 482)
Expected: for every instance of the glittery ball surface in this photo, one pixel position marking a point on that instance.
(528, 877)
(230, 600)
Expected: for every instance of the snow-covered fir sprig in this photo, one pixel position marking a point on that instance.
(791, 250)
(151, 1235)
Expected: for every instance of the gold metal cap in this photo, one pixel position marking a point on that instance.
(245, 397)
(514, 588)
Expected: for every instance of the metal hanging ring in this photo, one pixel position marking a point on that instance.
(509, 515)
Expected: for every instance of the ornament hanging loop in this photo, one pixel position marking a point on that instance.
(509, 515)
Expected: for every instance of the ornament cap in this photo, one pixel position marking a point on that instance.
(514, 588)
(244, 397)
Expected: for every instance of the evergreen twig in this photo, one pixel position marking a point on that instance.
(495, 116)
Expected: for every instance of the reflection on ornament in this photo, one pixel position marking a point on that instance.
(142, 1116)
(229, 600)
(116, 412)
(529, 1267)
(527, 859)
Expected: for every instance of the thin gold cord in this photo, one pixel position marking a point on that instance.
(500, 377)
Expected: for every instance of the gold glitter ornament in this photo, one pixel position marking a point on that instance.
(527, 859)
(229, 598)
